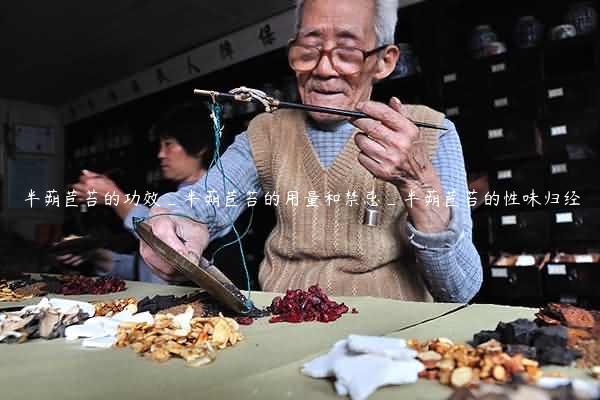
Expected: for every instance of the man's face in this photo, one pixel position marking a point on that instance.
(329, 24)
(175, 163)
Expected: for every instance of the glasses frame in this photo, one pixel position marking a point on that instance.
(366, 54)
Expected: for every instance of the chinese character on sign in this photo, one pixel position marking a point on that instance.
(311, 200)
(135, 86)
(510, 199)
(571, 199)
(230, 198)
(531, 199)
(52, 198)
(431, 198)
(451, 199)
(70, 199)
(371, 199)
(552, 198)
(31, 197)
(292, 196)
(226, 49)
(112, 95)
(492, 199)
(133, 199)
(150, 199)
(211, 198)
(272, 199)
(161, 77)
(111, 199)
(411, 197)
(329, 198)
(251, 198)
(266, 35)
(191, 197)
(351, 198)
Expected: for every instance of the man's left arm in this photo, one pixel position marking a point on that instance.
(441, 235)
(451, 264)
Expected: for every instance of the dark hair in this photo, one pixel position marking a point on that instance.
(190, 125)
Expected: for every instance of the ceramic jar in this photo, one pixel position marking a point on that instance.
(407, 64)
(528, 32)
(482, 37)
(564, 31)
(583, 17)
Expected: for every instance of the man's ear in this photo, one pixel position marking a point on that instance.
(386, 62)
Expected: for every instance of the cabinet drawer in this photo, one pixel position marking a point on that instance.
(575, 224)
(572, 175)
(521, 231)
(571, 280)
(562, 95)
(516, 283)
(571, 136)
(509, 139)
(521, 178)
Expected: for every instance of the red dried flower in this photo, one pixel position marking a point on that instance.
(299, 305)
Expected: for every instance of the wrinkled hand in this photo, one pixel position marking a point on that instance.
(101, 184)
(186, 237)
(101, 259)
(391, 149)
(389, 144)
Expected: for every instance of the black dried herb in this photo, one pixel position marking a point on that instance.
(548, 344)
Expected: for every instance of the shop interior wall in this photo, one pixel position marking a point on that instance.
(23, 220)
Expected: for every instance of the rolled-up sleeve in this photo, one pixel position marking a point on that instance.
(138, 212)
(220, 197)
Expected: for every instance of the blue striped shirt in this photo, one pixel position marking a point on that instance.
(451, 265)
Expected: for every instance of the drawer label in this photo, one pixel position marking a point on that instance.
(559, 168)
(509, 220)
(568, 299)
(558, 130)
(499, 273)
(498, 67)
(504, 174)
(502, 102)
(557, 269)
(448, 78)
(584, 258)
(495, 133)
(563, 218)
(453, 111)
(557, 92)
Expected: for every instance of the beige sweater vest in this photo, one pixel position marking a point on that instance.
(329, 245)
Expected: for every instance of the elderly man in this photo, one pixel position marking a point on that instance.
(421, 248)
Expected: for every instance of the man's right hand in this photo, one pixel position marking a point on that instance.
(188, 238)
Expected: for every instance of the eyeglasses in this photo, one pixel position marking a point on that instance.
(345, 60)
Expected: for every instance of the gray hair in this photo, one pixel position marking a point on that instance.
(386, 17)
